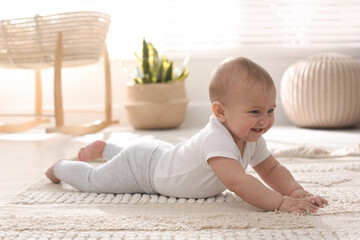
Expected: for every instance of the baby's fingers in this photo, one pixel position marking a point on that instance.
(297, 210)
(309, 199)
(320, 201)
(306, 206)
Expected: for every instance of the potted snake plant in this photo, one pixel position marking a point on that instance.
(156, 98)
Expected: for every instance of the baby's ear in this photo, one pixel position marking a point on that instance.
(218, 110)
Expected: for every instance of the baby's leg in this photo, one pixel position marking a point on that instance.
(98, 149)
(129, 171)
(114, 176)
(76, 173)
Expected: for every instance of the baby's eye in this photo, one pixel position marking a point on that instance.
(255, 111)
(271, 111)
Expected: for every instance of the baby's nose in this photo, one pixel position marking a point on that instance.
(264, 120)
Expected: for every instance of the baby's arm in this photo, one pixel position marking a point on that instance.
(251, 190)
(281, 180)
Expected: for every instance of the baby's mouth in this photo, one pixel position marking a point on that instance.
(258, 130)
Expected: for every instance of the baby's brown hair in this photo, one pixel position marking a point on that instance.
(235, 71)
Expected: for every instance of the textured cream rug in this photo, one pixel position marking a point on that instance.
(50, 211)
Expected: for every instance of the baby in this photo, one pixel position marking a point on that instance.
(243, 96)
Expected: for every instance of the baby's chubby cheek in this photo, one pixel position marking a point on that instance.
(268, 127)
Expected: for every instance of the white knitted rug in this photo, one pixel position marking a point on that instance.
(50, 211)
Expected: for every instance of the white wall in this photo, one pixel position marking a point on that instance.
(83, 87)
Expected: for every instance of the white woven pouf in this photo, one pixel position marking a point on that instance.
(322, 91)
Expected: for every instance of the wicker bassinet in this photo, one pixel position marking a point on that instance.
(31, 42)
(61, 40)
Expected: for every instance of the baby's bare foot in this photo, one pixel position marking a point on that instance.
(92, 151)
(51, 175)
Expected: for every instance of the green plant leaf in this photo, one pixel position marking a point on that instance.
(154, 52)
(138, 80)
(181, 72)
(159, 75)
(168, 76)
(153, 62)
(165, 65)
(183, 75)
(145, 63)
(138, 59)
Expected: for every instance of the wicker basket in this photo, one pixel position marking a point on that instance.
(156, 105)
(322, 91)
(62, 40)
(30, 42)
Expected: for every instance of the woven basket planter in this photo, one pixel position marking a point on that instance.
(322, 91)
(156, 105)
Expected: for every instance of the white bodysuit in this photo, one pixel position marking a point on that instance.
(183, 171)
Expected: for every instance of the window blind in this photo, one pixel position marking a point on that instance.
(213, 25)
(300, 23)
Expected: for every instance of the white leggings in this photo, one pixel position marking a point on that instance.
(128, 170)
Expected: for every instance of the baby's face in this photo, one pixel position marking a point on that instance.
(251, 114)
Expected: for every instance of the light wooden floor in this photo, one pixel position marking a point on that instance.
(24, 157)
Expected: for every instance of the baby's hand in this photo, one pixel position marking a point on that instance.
(317, 200)
(300, 205)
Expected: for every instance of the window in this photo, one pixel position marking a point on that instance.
(203, 25)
